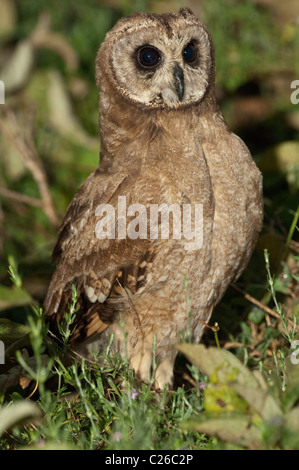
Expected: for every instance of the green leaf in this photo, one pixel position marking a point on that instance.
(11, 297)
(291, 394)
(290, 438)
(112, 385)
(292, 420)
(290, 397)
(18, 413)
(256, 315)
(230, 427)
(11, 331)
(220, 365)
(259, 400)
(260, 380)
(220, 398)
(232, 386)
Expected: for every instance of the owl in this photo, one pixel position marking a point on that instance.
(172, 213)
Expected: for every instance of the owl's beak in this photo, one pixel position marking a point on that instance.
(178, 76)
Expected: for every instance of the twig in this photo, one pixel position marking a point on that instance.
(24, 144)
(71, 352)
(259, 304)
(232, 344)
(43, 37)
(189, 379)
(33, 391)
(215, 328)
(23, 198)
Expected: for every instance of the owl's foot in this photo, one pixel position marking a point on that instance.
(142, 365)
(164, 374)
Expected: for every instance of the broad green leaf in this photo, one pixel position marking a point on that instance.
(11, 297)
(11, 331)
(290, 438)
(220, 365)
(18, 344)
(260, 401)
(290, 397)
(230, 427)
(221, 397)
(292, 368)
(292, 420)
(260, 380)
(18, 413)
(291, 394)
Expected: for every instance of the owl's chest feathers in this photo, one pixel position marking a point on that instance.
(185, 158)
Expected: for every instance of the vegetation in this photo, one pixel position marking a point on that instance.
(244, 378)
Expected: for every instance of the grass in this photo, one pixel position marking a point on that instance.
(102, 407)
(95, 406)
(90, 406)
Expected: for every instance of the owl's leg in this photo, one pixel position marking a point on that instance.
(141, 363)
(164, 371)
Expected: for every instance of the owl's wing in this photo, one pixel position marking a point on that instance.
(105, 272)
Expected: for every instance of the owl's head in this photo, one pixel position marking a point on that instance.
(158, 61)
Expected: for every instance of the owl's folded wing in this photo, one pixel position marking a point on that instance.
(105, 272)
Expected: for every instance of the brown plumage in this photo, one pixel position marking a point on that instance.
(163, 140)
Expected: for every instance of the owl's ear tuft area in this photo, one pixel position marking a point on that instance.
(186, 12)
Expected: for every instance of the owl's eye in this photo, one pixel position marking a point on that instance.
(148, 56)
(190, 53)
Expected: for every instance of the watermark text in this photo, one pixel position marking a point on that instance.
(151, 222)
(2, 353)
(2, 92)
(295, 95)
(295, 354)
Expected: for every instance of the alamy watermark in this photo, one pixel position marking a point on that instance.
(2, 92)
(151, 222)
(2, 353)
(295, 354)
(295, 95)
